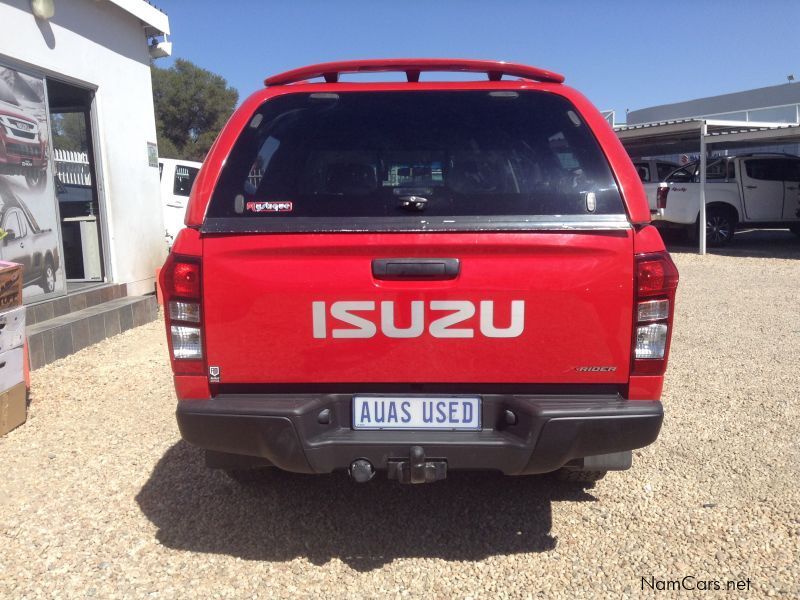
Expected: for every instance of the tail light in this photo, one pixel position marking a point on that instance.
(656, 282)
(661, 195)
(181, 286)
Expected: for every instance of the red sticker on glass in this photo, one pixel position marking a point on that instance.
(260, 207)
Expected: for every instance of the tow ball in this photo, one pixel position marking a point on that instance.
(416, 469)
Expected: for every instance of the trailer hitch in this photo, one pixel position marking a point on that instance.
(416, 469)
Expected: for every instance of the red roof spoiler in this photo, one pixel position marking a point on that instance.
(413, 67)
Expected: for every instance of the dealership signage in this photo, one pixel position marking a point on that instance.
(29, 224)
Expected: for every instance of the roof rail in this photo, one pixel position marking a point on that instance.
(413, 67)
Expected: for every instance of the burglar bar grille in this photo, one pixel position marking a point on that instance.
(73, 167)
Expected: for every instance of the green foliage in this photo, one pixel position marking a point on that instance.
(191, 105)
(69, 131)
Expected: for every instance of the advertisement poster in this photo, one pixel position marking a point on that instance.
(29, 228)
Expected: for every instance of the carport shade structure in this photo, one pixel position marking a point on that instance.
(696, 135)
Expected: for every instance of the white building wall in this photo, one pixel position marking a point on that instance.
(97, 44)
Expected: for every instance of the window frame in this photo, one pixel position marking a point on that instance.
(217, 223)
(669, 166)
(778, 162)
(19, 233)
(175, 179)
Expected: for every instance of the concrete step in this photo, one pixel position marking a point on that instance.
(74, 301)
(65, 334)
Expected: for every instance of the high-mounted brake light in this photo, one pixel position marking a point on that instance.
(656, 282)
(180, 279)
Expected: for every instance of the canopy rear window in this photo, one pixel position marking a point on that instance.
(415, 157)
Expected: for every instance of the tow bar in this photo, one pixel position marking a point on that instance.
(416, 469)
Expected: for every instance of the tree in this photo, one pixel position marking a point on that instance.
(192, 105)
(69, 131)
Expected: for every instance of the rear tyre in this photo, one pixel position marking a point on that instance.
(720, 226)
(579, 476)
(251, 476)
(49, 277)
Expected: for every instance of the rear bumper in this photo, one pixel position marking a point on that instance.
(549, 431)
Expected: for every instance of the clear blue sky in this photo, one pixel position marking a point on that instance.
(627, 54)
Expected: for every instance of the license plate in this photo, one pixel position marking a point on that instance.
(26, 162)
(398, 412)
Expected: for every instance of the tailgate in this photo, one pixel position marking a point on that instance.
(307, 308)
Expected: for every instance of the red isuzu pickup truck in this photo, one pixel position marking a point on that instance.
(416, 276)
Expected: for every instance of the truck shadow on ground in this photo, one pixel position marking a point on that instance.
(752, 243)
(469, 516)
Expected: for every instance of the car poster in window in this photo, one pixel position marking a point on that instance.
(29, 225)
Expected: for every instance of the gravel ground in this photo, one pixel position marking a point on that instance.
(98, 497)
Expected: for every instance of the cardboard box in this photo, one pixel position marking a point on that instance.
(10, 285)
(12, 328)
(13, 408)
(11, 369)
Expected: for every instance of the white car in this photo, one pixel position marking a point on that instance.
(177, 178)
(752, 190)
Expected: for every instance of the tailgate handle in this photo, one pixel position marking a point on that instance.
(415, 268)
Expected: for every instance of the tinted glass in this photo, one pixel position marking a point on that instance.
(665, 169)
(770, 169)
(684, 174)
(791, 170)
(643, 170)
(458, 153)
(717, 170)
(184, 179)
